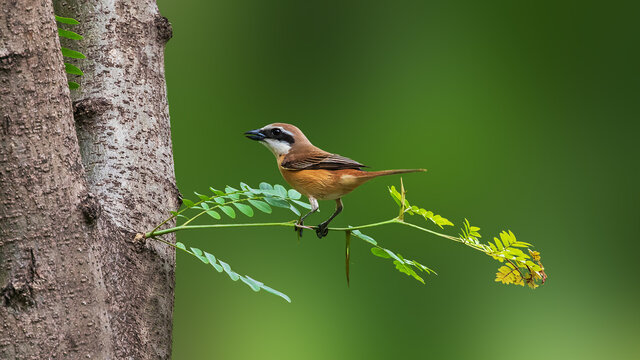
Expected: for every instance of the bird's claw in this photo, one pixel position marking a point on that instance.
(299, 226)
(322, 230)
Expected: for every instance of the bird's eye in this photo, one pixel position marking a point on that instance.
(276, 131)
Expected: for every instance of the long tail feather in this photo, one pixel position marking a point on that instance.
(372, 174)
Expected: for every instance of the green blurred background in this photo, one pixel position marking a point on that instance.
(525, 114)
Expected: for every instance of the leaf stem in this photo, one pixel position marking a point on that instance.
(153, 234)
(156, 233)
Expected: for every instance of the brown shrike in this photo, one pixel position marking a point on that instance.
(315, 173)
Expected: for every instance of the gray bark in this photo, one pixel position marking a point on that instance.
(73, 283)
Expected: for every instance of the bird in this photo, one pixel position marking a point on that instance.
(313, 172)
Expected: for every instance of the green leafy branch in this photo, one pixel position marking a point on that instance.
(63, 33)
(519, 267)
(221, 266)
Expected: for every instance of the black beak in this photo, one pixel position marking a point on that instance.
(255, 134)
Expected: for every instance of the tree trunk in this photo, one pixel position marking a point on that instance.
(73, 283)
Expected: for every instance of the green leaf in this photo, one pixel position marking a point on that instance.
(280, 190)
(65, 20)
(252, 284)
(260, 284)
(228, 270)
(73, 85)
(294, 194)
(188, 203)
(393, 255)
(212, 261)
(244, 208)
(213, 214)
(72, 53)
(228, 210)
(423, 268)
(277, 202)
(232, 193)
(69, 34)
(397, 197)
(403, 268)
(180, 245)
(364, 237)
(295, 210)
(265, 186)
(202, 197)
(216, 192)
(233, 196)
(198, 253)
(380, 252)
(276, 292)
(261, 205)
(303, 204)
(219, 200)
(204, 205)
(71, 69)
(436, 219)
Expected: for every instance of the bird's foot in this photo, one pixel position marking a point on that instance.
(299, 226)
(322, 230)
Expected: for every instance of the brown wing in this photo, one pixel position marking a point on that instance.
(321, 160)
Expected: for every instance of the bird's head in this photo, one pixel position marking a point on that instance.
(278, 137)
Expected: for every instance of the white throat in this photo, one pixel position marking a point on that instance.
(277, 147)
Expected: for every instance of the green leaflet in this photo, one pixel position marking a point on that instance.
(412, 210)
(200, 255)
(281, 191)
(72, 53)
(261, 205)
(278, 202)
(232, 274)
(380, 252)
(293, 194)
(212, 261)
(302, 203)
(214, 214)
(252, 283)
(202, 196)
(364, 237)
(228, 211)
(67, 34)
(188, 203)
(66, 20)
(245, 209)
(72, 69)
(401, 264)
